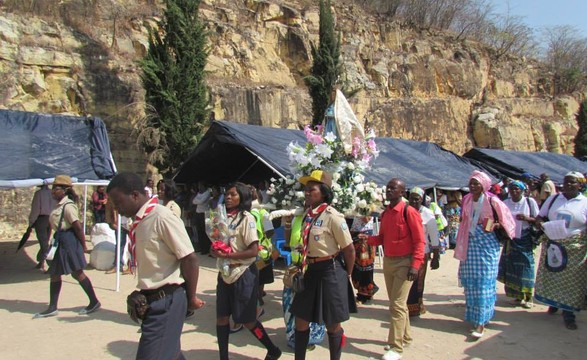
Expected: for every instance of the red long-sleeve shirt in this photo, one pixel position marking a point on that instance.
(401, 238)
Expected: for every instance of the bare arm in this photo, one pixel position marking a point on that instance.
(190, 271)
(249, 252)
(349, 258)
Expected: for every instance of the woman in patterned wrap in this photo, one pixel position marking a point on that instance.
(561, 281)
(478, 249)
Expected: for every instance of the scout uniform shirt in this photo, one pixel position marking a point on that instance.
(70, 216)
(243, 232)
(329, 234)
(161, 241)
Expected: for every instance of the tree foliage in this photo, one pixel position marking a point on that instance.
(581, 138)
(174, 80)
(326, 66)
(566, 58)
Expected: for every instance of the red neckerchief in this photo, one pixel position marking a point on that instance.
(132, 262)
(311, 216)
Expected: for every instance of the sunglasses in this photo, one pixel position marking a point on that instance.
(57, 187)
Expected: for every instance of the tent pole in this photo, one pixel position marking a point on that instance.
(117, 254)
(264, 162)
(85, 207)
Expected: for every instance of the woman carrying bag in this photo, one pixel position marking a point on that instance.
(478, 249)
(70, 239)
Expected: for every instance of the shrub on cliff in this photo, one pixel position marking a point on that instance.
(581, 137)
(174, 80)
(326, 66)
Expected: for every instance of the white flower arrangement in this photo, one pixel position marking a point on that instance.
(326, 152)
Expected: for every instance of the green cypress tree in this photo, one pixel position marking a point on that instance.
(581, 138)
(174, 81)
(326, 66)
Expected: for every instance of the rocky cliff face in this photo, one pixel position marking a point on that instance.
(415, 86)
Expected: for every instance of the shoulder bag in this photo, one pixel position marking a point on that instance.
(500, 233)
(55, 242)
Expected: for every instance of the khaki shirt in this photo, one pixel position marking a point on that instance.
(175, 209)
(242, 235)
(161, 242)
(547, 189)
(329, 234)
(70, 216)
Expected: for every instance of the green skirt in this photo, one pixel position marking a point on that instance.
(563, 286)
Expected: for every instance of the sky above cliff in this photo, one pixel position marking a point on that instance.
(545, 13)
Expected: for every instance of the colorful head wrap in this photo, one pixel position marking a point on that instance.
(483, 179)
(519, 184)
(418, 191)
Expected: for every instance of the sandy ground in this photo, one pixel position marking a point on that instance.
(515, 333)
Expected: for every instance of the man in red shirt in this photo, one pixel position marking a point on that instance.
(402, 236)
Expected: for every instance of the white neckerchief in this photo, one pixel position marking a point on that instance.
(477, 206)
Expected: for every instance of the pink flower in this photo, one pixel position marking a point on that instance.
(371, 145)
(356, 147)
(312, 137)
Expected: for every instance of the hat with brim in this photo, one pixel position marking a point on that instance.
(62, 180)
(319, 176)
(575, 174)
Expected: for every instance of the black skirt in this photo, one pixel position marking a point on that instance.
(325, 299)
(239, 299)
(266, 274)
(69, 256)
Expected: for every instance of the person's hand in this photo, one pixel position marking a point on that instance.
(413, 274)
(196, 303)
(521, 217)
(217, 253)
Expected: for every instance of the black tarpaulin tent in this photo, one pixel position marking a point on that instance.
(36, 147)
(515, 163)
(251, 153)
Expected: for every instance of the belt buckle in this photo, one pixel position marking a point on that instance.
(161, 294)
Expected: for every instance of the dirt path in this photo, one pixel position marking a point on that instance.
(515, 333)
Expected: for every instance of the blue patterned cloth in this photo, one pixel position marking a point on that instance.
(478, 276)
(317, 331)
(516, 267)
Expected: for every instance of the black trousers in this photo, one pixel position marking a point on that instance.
(42, 229)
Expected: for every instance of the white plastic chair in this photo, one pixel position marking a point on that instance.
(379, 247)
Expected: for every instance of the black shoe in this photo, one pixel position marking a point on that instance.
(571, 325)
(273, 354)
(90, 309)
(552, 310)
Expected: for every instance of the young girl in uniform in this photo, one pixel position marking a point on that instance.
(238, 283)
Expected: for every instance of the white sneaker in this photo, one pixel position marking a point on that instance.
(391, 355)
(527, 305)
